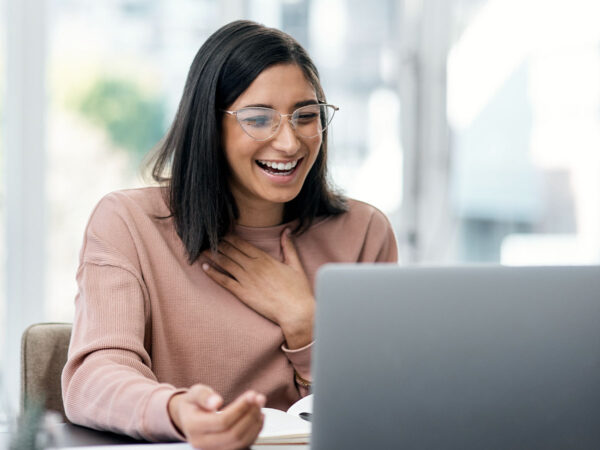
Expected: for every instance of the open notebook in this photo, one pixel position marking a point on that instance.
(283, 427)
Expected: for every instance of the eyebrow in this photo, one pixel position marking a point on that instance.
(296, 105)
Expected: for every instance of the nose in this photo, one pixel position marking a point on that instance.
(286, 140)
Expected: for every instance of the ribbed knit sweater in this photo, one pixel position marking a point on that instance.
(148, 324)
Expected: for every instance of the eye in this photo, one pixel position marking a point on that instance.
(307, 117)
(307, 114)
(256, 121)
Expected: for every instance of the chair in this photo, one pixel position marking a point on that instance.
(44, 348)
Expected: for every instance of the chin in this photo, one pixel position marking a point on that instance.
(282, 199)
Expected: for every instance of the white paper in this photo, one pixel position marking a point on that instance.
(303, 405)
(280, 423)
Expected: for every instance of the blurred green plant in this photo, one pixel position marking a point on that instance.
(133, 119)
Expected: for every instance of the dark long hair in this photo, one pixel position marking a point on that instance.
(190, 161)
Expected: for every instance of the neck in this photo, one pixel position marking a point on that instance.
(260, 215)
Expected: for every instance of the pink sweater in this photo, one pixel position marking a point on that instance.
(147, 324)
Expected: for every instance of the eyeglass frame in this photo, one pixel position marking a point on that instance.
(281, 116)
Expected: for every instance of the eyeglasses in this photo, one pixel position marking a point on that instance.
(262, 123)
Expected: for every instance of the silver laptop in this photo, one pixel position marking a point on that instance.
(463, 358)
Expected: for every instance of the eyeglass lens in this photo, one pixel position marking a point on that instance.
(262, 123)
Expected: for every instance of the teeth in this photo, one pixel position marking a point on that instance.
(279, 166)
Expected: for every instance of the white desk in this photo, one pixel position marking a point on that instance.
(68, 435)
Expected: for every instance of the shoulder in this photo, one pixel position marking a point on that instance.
(122, 221)
(361, 234)
(361, 210)
(359, 216)
(132, 203)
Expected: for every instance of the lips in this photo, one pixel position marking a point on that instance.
(278, 168)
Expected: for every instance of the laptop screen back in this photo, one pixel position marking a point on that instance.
(457, 357)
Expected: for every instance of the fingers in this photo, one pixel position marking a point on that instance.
(235, 262)
(234, 427)
(245, 431)
(290, 255)
(241, 435)
(225, 281)
(240, 245)
(247, 403)
(237, 248)
(226, 263)
(205, 397)
(231, 258)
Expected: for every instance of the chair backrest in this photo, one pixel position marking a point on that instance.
(44, 348)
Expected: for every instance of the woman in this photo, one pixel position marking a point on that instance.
(197, 296)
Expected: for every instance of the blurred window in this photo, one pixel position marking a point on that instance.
(116, 71)
(524, 110)
(2, 202)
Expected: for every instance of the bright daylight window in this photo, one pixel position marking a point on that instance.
(4, 410)
(2, 202)
(116, 72)
(524, 108)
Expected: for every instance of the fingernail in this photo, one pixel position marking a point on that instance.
(261, 400)
(287, 232)
(205, 267)
(212, 401)
(250, 397)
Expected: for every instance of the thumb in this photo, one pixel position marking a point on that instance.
(290, 255)
(205, 397)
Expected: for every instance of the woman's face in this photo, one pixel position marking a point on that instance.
(255, 185)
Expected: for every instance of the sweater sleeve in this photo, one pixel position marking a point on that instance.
(107, 382)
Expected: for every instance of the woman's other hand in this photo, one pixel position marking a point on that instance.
(280, 291)
(237, 426)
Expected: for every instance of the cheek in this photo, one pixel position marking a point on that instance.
(315, 148)
(238, 148)
(239, 159)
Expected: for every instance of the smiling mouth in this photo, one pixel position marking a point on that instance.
(279, 168)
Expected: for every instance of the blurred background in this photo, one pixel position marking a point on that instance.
(473, 124)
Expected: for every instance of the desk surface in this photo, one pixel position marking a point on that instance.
(68, 435)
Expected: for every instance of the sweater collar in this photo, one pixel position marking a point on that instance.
(254, 234)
